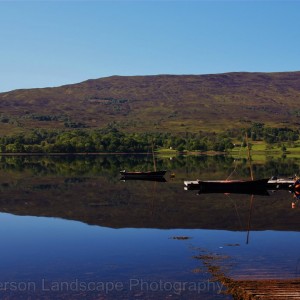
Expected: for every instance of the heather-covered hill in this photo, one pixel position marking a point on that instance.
(175, 103)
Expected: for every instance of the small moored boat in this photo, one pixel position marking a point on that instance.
(227, 186)
(143, 175)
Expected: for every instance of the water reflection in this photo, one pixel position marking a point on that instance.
(136, 220)
(89, 189)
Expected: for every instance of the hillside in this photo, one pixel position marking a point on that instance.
(176, 103)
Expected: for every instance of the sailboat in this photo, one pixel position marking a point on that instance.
(259, 186)
(252, 186)
(228, 186)
(145, 175)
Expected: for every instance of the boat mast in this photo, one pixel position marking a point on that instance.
(249, 219)
(249, 158)
(154, 163)
(252, 196)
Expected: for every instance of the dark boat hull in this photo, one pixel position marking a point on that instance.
(143, 175)
(231, 186)
(157, 179)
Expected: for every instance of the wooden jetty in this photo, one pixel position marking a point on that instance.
(264, 289)
(281, 183)
(261, 286)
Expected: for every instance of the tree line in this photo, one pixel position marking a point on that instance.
(111, 140)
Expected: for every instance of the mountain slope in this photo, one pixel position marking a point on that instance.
(176, 103)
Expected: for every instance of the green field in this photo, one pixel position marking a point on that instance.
(260, 150)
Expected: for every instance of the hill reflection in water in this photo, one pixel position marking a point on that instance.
(88, 189)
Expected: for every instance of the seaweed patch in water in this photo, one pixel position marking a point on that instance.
(232, 245)
(180, 237)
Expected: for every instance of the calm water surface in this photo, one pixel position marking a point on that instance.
(72, 230)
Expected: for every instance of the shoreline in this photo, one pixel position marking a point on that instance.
(161, 153)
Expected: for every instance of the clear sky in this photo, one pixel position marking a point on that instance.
(51, 43)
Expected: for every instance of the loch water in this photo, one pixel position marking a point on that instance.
(71, 229)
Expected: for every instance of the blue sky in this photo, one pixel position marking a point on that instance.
(51, 43)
